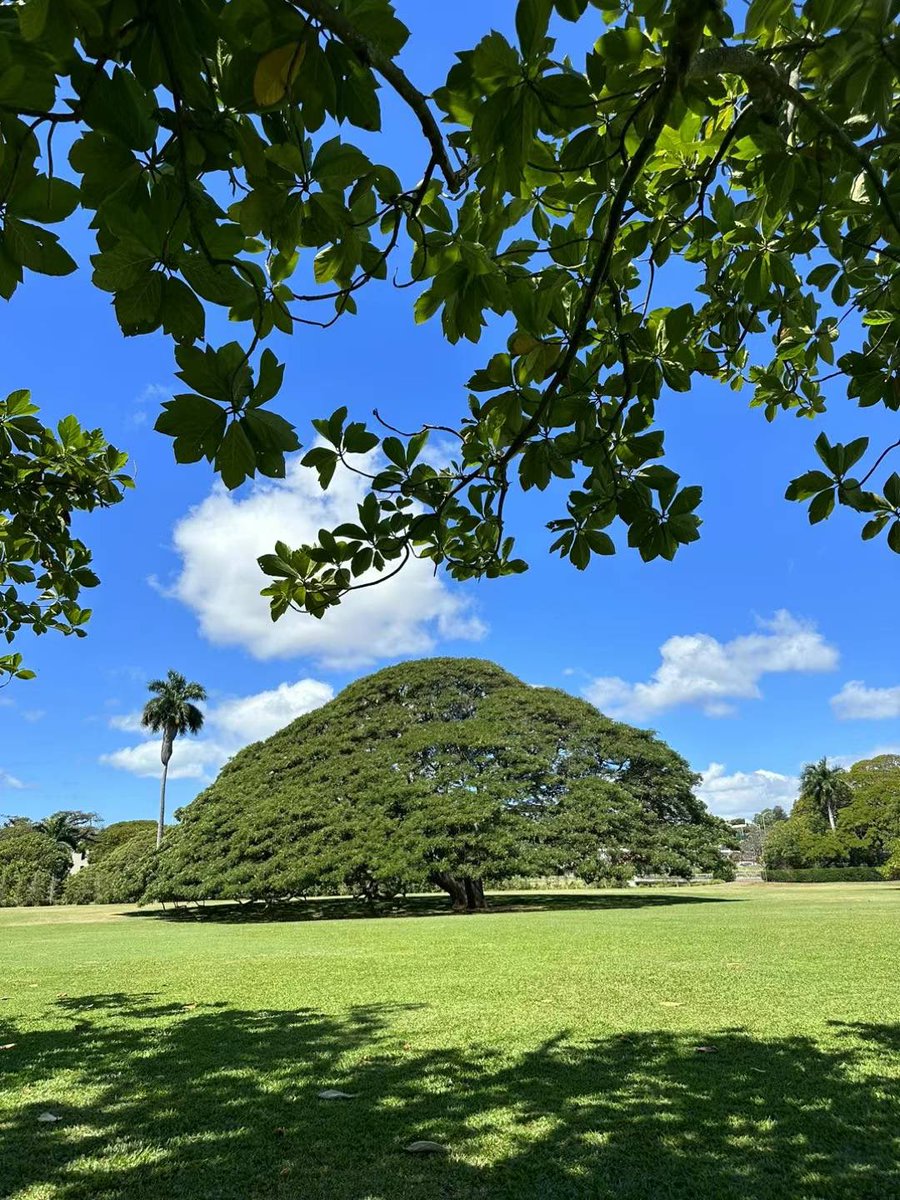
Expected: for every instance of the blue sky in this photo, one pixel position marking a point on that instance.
(764, 645)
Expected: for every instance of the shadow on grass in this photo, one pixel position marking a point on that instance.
(343, 908)
(214, 1103)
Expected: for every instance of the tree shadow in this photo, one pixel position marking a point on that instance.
(206, 1102)
(345, 908)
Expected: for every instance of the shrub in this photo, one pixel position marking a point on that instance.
(121, 877)
(31, 866)
(826, 875)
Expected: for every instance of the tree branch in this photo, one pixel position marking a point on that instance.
(737, 60)
(690, 19)
(337, 23)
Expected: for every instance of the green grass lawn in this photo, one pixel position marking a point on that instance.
(553, 1050)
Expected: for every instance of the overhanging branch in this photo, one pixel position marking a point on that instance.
(337, 23)
(756, 72)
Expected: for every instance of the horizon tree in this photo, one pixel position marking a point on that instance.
(443, 772)
(70, 827)
(171, 711)
(825, 789)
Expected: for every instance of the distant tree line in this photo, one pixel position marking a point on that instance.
(842, 818)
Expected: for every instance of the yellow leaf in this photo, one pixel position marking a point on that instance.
(275, 72)
(522, 343)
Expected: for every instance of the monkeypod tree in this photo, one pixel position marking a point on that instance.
(446, 773)
(227, 153)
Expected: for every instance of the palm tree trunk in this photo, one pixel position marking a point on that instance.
(162, 806)
(830, 811)
(164, 755)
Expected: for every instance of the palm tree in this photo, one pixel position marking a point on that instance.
(825, 787)
(171, 713)
(70, 828)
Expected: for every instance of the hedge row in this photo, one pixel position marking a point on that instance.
(825, 875)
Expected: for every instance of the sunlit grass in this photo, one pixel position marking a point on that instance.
(553, 1052)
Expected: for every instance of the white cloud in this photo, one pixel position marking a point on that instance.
(191, 758)
(229, 725)
(127, 723)
(856, 701)
(10, 781)
(745, 792)
(698, 669)
(252, 718)
(150, 399)
(220, 540)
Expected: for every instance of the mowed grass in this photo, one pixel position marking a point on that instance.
(554, 1051)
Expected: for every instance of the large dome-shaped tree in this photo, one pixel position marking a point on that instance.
(445, 772)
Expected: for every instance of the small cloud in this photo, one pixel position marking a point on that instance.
(230, 725)
(127, 723)
(10, 781)
(857, 702)
(150, 399)
(34, 714)
(743, 793)
(699, 670)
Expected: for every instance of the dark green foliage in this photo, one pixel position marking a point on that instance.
(32, 866)
(121, 874)
(70, 827)
(769, 816)
(825, 875)
(45, 476)
(213, 146)
(442, 772)
(111, 837)
(867, 823)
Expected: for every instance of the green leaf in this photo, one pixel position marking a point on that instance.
(181, 312)
(44, 200)
(139, 308)
(236, 458)
(358, 439)
(821, 507)
(191, 416)
(118, 105)
(337, 164)
(32, 16)
(271, 376)
(35, 248)
(808, 485)
(532, 18)
(892, 490)
(395, 451)
(269, 431)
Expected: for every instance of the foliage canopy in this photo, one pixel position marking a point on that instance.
(32, 865)
(224, 153)
(443, 772)
(45, 476)
(867, 823)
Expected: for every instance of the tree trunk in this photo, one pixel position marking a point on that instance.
(164, 755)
(454, 889)
(475, 901)
(830, 816)
(162, 806)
